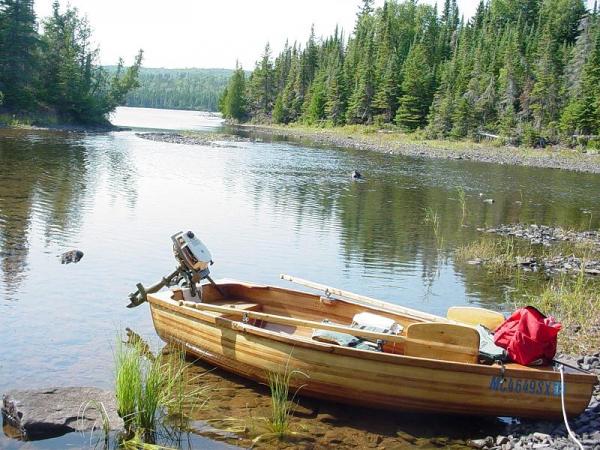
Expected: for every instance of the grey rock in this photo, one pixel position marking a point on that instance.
(475, 262)
(501, 440)
(52, 412)
(482, 443)
(72, 256)
(356, 175)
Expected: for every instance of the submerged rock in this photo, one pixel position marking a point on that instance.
(52, 412)
(72, 256)
(356, 175)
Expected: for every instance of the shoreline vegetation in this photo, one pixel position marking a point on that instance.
(569, 265)
(390, 141)
(371, 138)
(526, 73)
(49, 70)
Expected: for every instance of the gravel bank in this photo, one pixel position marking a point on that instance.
(384, 142)
(207, 139)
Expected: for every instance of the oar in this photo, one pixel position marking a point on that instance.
(474, 316)
(467, 315)
(446, 342)
(365, 301)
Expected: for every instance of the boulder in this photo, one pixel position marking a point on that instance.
(72, 256)
(52, 412)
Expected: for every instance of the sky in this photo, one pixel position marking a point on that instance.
(210, 33)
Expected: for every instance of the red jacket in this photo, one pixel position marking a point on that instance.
(528, 335)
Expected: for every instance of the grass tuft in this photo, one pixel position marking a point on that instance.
(128, 379)
(147, 386)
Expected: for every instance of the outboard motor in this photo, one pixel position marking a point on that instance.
(193, 260)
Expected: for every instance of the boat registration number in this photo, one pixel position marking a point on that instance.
(524, 386)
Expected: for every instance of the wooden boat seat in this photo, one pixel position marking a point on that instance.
(237, 304)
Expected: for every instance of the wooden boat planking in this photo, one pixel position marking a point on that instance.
(348, 375)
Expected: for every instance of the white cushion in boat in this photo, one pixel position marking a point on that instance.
(374, 322)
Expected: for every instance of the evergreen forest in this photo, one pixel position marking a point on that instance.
(194, 89)
(526, 70)
(49, 69)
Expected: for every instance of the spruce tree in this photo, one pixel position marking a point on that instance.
(18, 51)
(234, 102)
(416, 89)
(582, 115)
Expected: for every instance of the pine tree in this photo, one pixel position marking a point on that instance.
(18, 48)
(416, 89)
(359, 104)
(582, 115)
(261, 87)
(234, 102)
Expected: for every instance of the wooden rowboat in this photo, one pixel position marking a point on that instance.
(431, 366)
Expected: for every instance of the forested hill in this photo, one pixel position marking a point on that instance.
(196, 89)
(528, 70)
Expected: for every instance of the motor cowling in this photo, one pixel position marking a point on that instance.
(191, 251)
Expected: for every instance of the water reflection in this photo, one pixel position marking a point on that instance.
(262, 208)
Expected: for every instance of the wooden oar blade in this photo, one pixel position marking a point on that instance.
(451, 342)
(474, 316)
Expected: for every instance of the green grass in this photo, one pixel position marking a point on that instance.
(278, 425)
(500, 254)
(128, 379)
(147, 386)
(391, 137)
(281, 407)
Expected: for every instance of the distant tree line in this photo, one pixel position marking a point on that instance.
(528, 70)
(195, 89)
(55, 71)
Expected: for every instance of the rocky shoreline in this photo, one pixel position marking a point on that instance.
(216, 140)
(386, 142)
(546, 236)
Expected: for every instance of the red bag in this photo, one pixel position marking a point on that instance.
(528, 335)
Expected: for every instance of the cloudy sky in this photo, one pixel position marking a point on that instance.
(209, 33)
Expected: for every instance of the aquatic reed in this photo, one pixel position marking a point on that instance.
(128, 379)
(146, 385)
(433, 219)
(463, 202)
(278, 425)
(104, 420)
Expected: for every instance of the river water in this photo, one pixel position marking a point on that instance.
(262, 208)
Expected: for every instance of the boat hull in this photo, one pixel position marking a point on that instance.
(365, 378)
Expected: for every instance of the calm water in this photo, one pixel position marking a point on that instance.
(263, 208)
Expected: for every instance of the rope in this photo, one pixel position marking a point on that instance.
(562, 402)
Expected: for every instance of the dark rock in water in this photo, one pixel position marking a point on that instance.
(72, 256)
(356, 175)
(52, 412)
